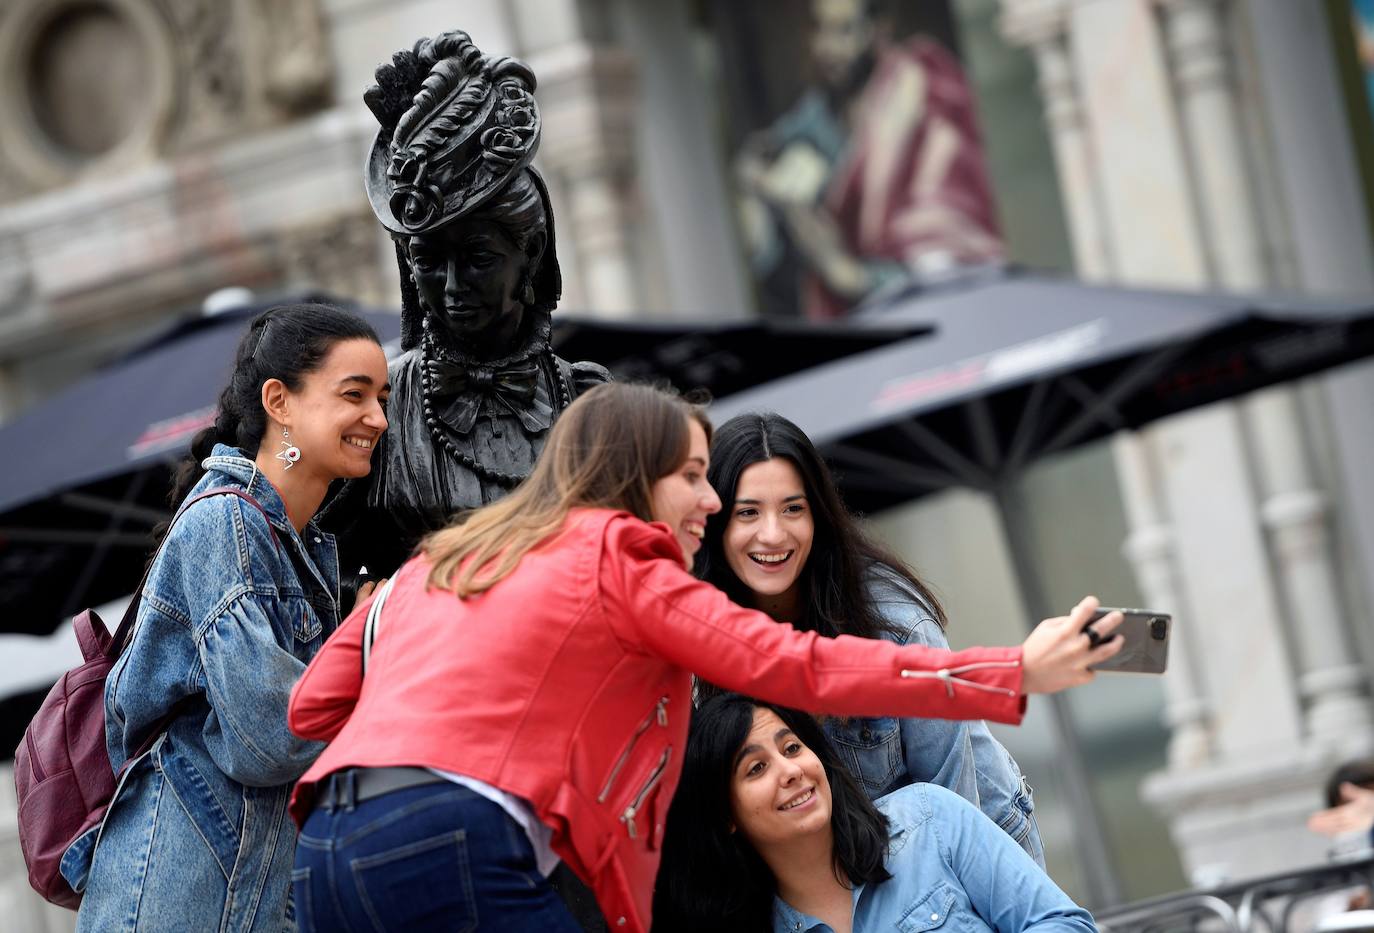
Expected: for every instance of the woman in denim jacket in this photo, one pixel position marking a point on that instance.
(783, 542)
(769, 831)
(237, 601)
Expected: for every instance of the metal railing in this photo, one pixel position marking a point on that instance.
(1267, 904)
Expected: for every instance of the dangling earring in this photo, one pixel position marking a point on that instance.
(527, 292)
(289, 453)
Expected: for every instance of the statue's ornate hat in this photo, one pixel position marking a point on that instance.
(446, 148)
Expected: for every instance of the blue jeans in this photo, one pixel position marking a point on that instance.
(433, 857)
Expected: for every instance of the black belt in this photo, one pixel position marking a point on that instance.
(352, 786)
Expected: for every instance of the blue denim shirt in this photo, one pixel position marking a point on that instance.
(952, 870)
(885, 754)
(198, 837)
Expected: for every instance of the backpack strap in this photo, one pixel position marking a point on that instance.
(126, 625)
(125, 630)
(374, 619)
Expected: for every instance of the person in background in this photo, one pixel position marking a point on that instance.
(784, 543)
(527, 695)
(1349, 803)
(237, 600)
(769, 832)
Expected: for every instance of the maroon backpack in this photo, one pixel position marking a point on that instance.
(62, 769)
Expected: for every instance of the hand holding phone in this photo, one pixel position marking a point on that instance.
(1146, 637)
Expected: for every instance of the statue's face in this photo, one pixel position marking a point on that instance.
(469, 275)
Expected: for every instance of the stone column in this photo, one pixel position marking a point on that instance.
(587, 97)
(1200, 64)
(1294, 513)
(1042, 28)
(1153, 556)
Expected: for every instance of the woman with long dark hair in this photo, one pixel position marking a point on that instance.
(526, 695)
(784, 543)
(243, 591)
(768, 831)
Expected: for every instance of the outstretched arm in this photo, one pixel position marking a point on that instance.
(656, 606)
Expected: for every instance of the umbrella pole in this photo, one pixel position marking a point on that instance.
(1100, 875)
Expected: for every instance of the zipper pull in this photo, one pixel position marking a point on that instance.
(629, 819)
(663, 712)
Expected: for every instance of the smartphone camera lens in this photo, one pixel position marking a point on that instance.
(1159, 629)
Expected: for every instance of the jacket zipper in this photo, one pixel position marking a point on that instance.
(628, 817)
(660, 713)
(950, 676)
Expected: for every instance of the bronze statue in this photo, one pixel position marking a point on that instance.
(477, 388)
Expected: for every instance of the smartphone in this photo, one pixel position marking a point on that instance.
(1146, 650)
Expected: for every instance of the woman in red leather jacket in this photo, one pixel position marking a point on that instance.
(527, 696)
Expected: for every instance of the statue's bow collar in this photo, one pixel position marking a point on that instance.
(457, 389)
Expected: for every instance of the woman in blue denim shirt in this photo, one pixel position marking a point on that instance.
(237, 601)
(784, 543)
(768, 831)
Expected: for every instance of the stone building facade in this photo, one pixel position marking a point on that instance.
(1237, 168)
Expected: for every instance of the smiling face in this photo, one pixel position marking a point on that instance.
(683, 498)
(339, 411)
(469, 276)
(779, 791)
(769, 532)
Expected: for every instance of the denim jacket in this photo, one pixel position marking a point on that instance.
(885, 754)
(198, 837)
(952, 872)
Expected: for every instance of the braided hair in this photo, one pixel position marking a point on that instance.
(286, 342)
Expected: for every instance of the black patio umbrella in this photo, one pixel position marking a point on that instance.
(1016, 367)
(87, 472)
(720, 357)
(1013, 367)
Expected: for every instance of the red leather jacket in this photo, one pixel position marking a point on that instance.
(569, 684)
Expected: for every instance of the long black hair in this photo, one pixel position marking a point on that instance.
(834, 597)
(711, 878)
(287, 343)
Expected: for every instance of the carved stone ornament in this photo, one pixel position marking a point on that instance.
(90, 88)
(338, 255)
(82, 84)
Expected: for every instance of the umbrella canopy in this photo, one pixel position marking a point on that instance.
(1014, 367)
(720, 357)
(87, 473)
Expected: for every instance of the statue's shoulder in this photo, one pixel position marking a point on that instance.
(404, 366)
(584, 375)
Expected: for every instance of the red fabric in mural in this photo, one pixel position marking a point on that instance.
(913, 180)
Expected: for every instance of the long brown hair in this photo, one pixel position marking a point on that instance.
(606, 451)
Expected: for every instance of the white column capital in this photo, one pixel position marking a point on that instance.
(1196, 35)
(1294, 507)
(1189, 4)
(1029, 23)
